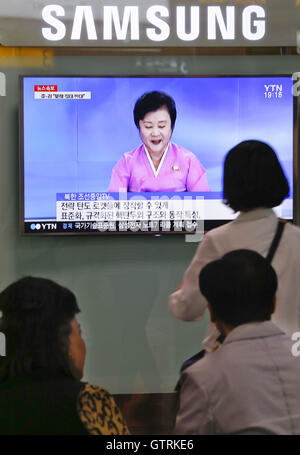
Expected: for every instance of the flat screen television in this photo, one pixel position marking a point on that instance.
(75, 130)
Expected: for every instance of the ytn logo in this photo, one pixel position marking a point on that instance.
(43, 226)
(273, 88)
(273, 91)
(49, 226)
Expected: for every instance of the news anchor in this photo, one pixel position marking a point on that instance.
(157, 164)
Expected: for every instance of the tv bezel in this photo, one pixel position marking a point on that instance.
(208, 224)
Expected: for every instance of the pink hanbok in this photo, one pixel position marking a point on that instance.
(179, 170)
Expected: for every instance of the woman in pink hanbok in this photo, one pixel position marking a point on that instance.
(157, 164)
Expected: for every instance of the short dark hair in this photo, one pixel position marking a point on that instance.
(36, 315)
(240, 287)
(150, 102)
(253, 177)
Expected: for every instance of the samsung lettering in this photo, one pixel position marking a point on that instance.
(125, 23)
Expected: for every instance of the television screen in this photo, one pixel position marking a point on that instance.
(86, 168)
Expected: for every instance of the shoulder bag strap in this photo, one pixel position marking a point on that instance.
(276, 240)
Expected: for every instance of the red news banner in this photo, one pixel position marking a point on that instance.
(50, 92)
(45, 88)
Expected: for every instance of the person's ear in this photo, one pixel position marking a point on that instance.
(211, 312)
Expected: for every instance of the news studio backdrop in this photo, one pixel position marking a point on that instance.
(239, 57)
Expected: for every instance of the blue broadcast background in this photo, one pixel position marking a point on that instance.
(72, 145)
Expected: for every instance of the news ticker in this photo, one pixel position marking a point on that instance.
(129, 212)
(123, 207)
(186, 226)
(123, 212)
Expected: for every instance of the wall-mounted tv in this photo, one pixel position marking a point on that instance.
(84, 168)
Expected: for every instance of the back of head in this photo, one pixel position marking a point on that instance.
(36, 315)
(253, 177)
(151, 102)
(240, 287)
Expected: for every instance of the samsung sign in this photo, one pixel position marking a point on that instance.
(123, 24)
(150, 23)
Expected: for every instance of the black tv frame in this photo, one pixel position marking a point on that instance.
(208, 224)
